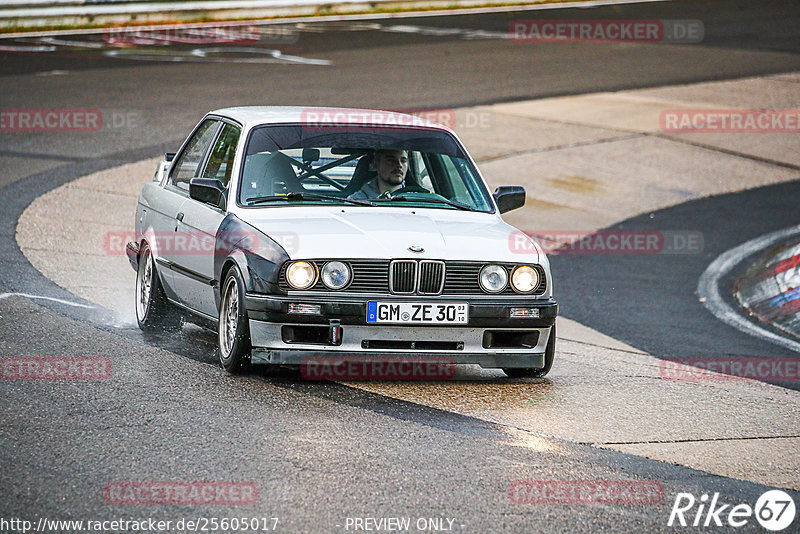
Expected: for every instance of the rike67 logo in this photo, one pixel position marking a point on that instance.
(774, 510)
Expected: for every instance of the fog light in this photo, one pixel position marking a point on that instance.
(525, 312)
(305, 309)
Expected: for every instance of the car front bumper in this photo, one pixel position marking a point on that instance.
(491, 338)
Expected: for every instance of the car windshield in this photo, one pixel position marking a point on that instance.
(341, 164)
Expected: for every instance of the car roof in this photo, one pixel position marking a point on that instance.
(250, 116)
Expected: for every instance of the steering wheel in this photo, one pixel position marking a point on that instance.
(410, 189)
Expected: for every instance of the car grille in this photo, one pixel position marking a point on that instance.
(424, 277)
(367, 276)
(403, 277)
(431, 277)
(373, 276)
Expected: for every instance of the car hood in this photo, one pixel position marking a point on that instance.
(387, 233)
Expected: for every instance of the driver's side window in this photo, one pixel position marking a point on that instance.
(187, 165)
(220, 162)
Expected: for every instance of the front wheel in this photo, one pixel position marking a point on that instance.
(234, 329)
(549, 355)
(153, 310)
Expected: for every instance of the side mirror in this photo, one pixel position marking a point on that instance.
(162, 168)
(208, 190)
(509, 197)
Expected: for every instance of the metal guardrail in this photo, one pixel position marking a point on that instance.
(33, 14)
(36, 13)
(19, 4)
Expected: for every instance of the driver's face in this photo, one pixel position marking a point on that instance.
(391, 166)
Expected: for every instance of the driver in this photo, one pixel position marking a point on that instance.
(391, 166)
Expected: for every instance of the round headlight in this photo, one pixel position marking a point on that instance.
(525, 278)
(335, 274)
(493, 278)
(301, 274)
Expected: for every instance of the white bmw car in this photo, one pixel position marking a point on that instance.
(308, 232)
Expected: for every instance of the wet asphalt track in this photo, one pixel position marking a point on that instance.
(651, 301)
(322, 452)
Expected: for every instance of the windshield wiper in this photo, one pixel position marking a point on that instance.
(428, 200)
(306, 196)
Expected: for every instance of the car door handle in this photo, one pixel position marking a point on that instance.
(179, 216)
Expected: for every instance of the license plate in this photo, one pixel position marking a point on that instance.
(417, 312)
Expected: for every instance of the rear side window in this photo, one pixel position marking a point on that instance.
(220, 163)
(191, 158)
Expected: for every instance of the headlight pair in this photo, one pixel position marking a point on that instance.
(303, 274)
(494, 278)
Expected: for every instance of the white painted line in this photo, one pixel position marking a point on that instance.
(12, 48)
(52, 73)
(77, 44)
(277, 54)
(198, 55)
(338, 18)
(464, 33)
(60, 301)
(708, 286)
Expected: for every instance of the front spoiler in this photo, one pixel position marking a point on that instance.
(355, 343)
(488, 361)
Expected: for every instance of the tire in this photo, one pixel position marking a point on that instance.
(529, 372)
(153, 310)
(233, 329)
